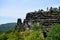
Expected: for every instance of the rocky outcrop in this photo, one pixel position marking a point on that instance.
(19, 26)
(46, 17)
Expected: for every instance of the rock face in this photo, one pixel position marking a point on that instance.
(19, 21)
(19, 25)
(46, 17)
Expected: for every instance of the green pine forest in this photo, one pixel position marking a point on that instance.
(34, 34)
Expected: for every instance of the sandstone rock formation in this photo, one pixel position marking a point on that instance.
(47, 17)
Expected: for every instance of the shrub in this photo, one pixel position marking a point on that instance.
(3, 36)
(54, 33)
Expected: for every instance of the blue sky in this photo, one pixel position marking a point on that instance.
(11, 10)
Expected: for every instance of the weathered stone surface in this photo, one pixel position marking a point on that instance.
(46, 17)
(19, 26)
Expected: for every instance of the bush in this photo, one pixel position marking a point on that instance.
(58, 16)
(14, 36)
(35, 35)
(54, 33)
(3, 36)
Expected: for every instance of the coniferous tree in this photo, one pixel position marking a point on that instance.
(59, 7)
(51, 9)
(47, 8)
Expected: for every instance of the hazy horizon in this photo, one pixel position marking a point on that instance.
(11, 10)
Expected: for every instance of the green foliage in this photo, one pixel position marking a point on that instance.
(35, 35)
(59, 7)
(59, 16)
(54, 33)
(40, 11)
(20, 27)
(51, 9)
(13, 36)
(25, 35)
(7, 27)
(41, 26)
(38, 27)
(20, 33)
(3, 36)
(35, 26)
(32, 35)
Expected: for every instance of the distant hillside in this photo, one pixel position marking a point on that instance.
(6, 27)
